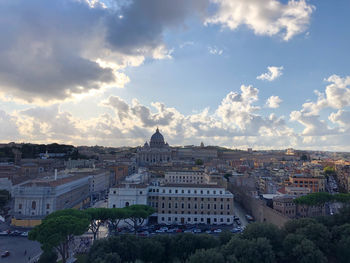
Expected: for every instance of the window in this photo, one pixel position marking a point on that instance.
(19, 206)
(189, 205)
(175, 191)
(169, 205)
(140, 192)
(189, 199)
(228, 206)
(208, 206)
(214, 206)
(182, 205)
(228, 220)
(114, 192)
(189, 219)
(47, 206)
(189, 191)
(221, 220)
(195, 219)
(201, 191)
(221, 206)
(33, 205)
(175, 205)
(214, 219)
(169, 191)
(214, 192)
(127, 204)
(183, 191)
(195, 206)
(113, 206)
(162, 218)
(169, 219)
(162, 205)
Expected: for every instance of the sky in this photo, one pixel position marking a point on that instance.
(266, 74)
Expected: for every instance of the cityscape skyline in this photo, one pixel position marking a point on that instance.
(109, 72)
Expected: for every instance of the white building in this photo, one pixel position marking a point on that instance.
(186, 177)
(39, 198)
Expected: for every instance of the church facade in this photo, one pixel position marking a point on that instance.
(155, 153)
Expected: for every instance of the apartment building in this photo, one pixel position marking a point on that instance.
(178, 203)
(186, 177)
(285, 205)
(314, 183)
(191, 204)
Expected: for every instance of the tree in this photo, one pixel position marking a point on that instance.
(250, 251)
(307, 252)
(152, 250)
(264, 230)
(115, 216)
(199, 162)
(206, 256)
(4, 198)
(58, 230)
(97, 216)
(137, 215)
(48, 257)
(329, 171)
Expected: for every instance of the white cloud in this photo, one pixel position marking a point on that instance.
(273, 102)
(215, 51)
(272, 74)
(264, 17)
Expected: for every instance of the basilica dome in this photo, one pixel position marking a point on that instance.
(157, 140)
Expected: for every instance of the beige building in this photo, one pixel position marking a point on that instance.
(191, 204)
(285, 205)
(314, 183)
(186, 177)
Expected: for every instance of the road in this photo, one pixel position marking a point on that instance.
(240, 212)
(16, 246)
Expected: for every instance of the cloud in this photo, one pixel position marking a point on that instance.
(273, 102)
(215, 51)
(61, 48)
(269, 17)
(272, 74)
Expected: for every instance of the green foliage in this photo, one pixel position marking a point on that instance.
(4, 198)
(199, 162)
(137, 214)
(48, 256)
(58, 229)
(317, 199)
(206, 256)
(250, 251)
(97, 217)
(329, 171)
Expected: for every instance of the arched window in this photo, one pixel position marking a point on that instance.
(127, 204)
(33, 205)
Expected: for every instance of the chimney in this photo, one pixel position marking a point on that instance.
(55, 174)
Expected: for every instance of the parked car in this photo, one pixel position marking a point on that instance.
(3, 233)
(24, 234)
(217, 230)
(197, 231)
(188, 231)
(208, 231)
(238, 222)
(143, 234)
(236, 230)
(160, 231)
(179, 230)
(5, 254)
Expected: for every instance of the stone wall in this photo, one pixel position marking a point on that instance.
(256, 207)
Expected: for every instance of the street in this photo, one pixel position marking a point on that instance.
(16, 246)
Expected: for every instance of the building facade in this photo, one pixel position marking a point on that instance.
(178, 203)
(155, 153)
(38, 198)
(314, 183)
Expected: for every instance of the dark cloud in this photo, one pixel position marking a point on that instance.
(49, 49)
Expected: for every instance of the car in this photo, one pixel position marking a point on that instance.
(24, 234)
(164, 228)
(188, 231)
(196, 230)
(217, 230)
(208, 231)
(179, 230)
(143, 234)
(238, 222)
(160, 231)
(15, 233)
(4, 233)
(171, 230)
(5, 254)
(235, 230)
(235, 218)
